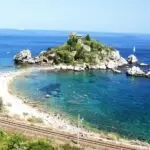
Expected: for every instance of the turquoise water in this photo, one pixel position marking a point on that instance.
(107, 101)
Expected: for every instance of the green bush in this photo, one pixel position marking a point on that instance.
(2, 135)
(80, 54)
(64, 56)
(72, 41)
(88, 43)
(9, 141)
(40, 145)
(78, 47)
(87, 37)
(15, 142)
(87, 57)
(95, 45)
(57, 60)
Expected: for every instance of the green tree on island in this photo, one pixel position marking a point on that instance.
(87, 37)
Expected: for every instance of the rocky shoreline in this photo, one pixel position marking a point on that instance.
(129, 66)
(114, 61)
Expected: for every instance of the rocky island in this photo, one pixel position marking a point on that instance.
(78, 51)
(81, 53)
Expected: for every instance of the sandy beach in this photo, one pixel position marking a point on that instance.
(17, 107)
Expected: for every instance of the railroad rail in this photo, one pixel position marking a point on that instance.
(49, 133)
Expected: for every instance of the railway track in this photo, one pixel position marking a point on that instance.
(49, 133)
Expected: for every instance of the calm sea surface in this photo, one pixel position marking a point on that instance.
(106, 101)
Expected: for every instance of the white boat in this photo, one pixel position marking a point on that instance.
(134, 49)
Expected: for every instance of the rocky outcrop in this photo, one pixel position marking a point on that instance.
(99, 66)
(37, 59)
(115, 55)
(132, 59)
(120, 61)
(111, 64)
(102, 66)
(148, 74)
(45, 58)
(23, 57)
(86, 48)
(115, 60)
(79, 68)
(30, 61)
(135, 71)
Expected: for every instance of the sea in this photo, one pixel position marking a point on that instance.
(106, 101)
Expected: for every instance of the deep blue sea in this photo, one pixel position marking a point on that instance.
(107, 101)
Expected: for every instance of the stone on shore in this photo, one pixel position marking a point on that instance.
(122, 62)
(93, 67)
(70, 67)
(115, 55)
(31, 61)
(135, 71)
(24, 56)
(102, 66)
(98, 66)
(132, 59)
(115, 60)
(111, 64)
(79, 68)
(148, 74)
(37, 59)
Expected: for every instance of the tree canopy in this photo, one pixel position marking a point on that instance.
(79, 49)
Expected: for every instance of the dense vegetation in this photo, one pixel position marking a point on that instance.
(18, 142)
(79, 49)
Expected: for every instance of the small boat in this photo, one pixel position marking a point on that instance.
(143, 64)
(134, 49)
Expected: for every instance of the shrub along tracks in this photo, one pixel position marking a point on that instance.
(13, 125)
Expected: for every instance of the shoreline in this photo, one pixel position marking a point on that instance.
(59, 123)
